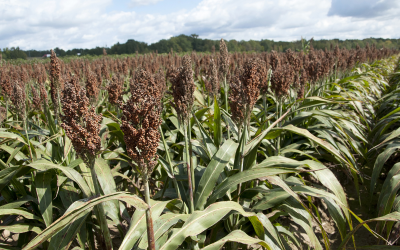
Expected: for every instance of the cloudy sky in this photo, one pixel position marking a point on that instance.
(45, 24)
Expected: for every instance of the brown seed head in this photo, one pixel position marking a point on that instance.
(214, 82)
(80, 121)
(35, 98)
(223, 58)
(282, 78)
(115, 90)
(183, 88)
(245, 89)
(140, 122)
(92, 90)
(18, 99)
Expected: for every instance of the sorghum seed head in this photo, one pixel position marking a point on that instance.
(80, 121)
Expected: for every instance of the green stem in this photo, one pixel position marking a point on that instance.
(189, 169)
(277, 117)
(27, 136)
(170, 164)
(280, 124)
(190, 157)
(265, 125)
(149, 220)
(90, 236)
(226, 103)
(243, 143)
(6, 119)
(100, 209)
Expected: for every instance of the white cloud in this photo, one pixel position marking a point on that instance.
(136, 3)
(86, 24)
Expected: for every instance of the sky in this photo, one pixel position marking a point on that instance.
(45, 24)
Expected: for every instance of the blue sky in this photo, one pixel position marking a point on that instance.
(152, 7)
(45, 24)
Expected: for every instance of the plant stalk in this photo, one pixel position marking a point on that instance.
(244, 133)
(149, 220)
(170, 164)
(190, 169)
(226, 103)
(278, 139)
(27, 136)
(99, 208)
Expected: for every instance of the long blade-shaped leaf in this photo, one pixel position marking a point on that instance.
(244, 176)
(213, 170)
(138, 224)
(85, 208)
(202, 220)
(69, 172)
(237, 236)
(43, 190)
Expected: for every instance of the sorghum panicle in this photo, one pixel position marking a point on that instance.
(223, 58)
(114, 90)
(80, 121)
(183, 88)
(214, 82)
(18, 99)
(140, 121)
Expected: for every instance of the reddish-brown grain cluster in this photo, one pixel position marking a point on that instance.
(212, 82)
(183, 88)
(141, 119)
(55, 79)
(36, 102)
(115, 89)
(92, 90)
(18, 98)
(281, 80)
(223, 58)
(6, 87)
(289, 70)
(245, 89)
(80, 121)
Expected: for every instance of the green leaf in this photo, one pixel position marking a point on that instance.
(271, 199)
(323, 144)
(395, 216)
(257, 140)
(244, 176)
(392, 136)
(107, 183)
(199, 221)
(63, 238)
(21, 228)
(379, 162)
(7, 175)
(208, 142)
(8, 135)
(161, 225)
(236, 236)
(213, 170)
(19, 202)
(44, 165)
(217, 124)
(138, 224)
(12, 211)
(85, 208)
(43, 190)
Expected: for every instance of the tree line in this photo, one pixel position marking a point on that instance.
(185, 43)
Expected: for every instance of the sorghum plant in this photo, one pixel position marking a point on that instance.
(82, 126)
(140, 122)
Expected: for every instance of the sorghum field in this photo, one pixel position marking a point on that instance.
(293, 150)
